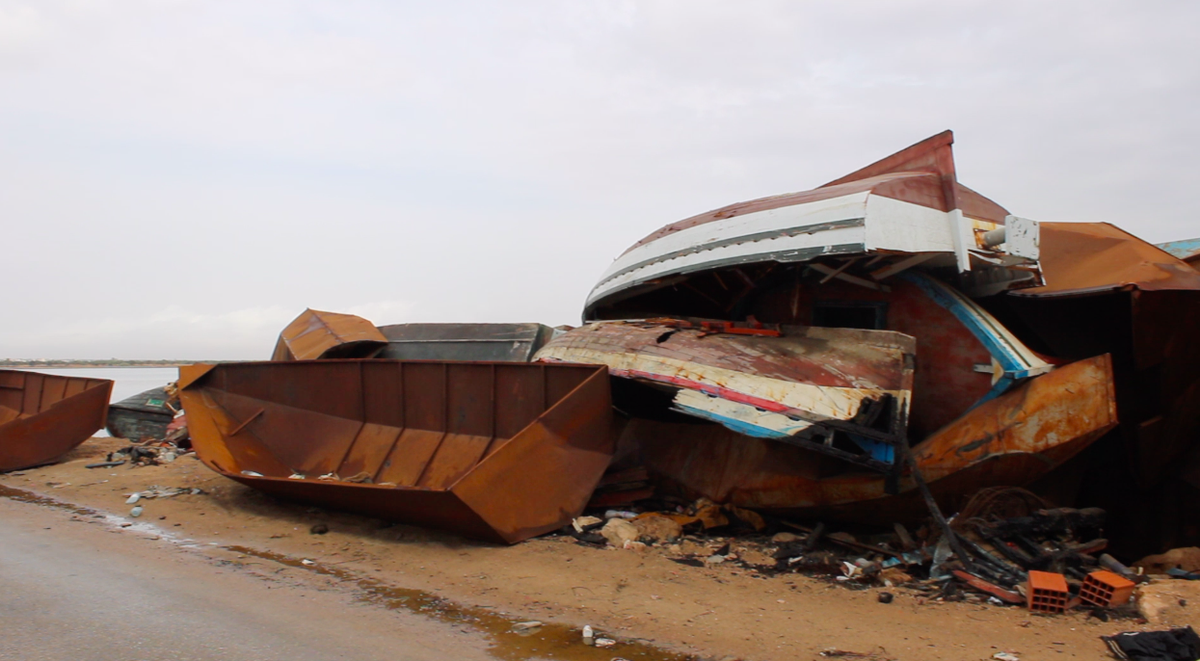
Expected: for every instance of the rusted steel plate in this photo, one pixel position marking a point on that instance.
(748, 380)
(44, 416)
(1187, 250)
(1086, 258)
(316, 334)
(1008, 441)
(507, 342)
(496, 451)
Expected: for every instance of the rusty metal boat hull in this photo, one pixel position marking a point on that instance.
(495, 451)
(1008, 441)
(45, 416)
(318, 334)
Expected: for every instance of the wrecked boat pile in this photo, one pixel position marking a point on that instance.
(870, 352)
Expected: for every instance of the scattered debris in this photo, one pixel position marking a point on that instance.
(1181, 644)
(1186, 559)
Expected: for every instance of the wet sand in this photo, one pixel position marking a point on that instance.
(718, 611)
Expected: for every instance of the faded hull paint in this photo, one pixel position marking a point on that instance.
(907, 204)
(496, 451)
(822, 371)
(44, 416)
(945, 382)
(317, 334)
(1011, 440)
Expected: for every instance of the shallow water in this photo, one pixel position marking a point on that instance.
(549, 642)
(127, 381)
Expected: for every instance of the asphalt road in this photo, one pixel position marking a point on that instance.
(75, 591)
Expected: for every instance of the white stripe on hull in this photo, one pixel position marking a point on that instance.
(883, 224)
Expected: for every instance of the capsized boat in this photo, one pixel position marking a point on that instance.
(495, 451)
(45, 416)
(318, 334)
(899, 246)
(142, 416)
(788, 383)
(907, 210)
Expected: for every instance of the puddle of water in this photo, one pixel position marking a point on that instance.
(553, 642)
(23, 496)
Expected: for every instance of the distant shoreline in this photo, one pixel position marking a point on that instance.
(78, 364)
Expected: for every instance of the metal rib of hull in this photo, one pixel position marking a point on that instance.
(495, 451)
(44, 416)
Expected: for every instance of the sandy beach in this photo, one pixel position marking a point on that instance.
(728, 610)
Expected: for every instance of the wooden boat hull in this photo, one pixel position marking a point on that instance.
(770, 383)
(45, 416)
(145, 415)
(1008, 441)
(495, 451)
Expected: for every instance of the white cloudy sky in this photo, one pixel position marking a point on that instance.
(180, 178)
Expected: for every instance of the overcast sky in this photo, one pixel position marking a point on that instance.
(181, 178)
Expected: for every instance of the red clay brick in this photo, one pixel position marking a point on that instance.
(1047, 592)
(1105, 589)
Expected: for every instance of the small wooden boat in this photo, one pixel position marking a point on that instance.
(317, 334)
(143, 416)
(45, 416)
(495, 451)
